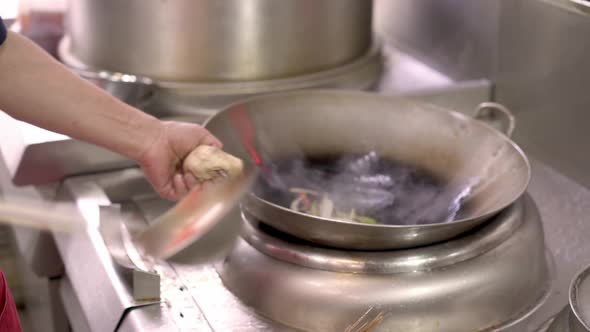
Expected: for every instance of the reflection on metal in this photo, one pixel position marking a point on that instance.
(139, 91)
(212, 41)
(457, 38)
(548, 93)
(575, 317)
(580, 301)
(99, 259)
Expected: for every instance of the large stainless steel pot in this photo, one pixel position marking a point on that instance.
(446, 144)
(218, 40)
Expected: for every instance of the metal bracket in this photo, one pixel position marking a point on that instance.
(142, 283)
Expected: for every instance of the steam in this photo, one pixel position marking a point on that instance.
(389, 192)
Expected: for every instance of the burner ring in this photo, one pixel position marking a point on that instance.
(472, 244)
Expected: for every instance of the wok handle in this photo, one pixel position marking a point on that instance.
(496, 115)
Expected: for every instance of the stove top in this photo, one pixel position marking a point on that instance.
(197, 299)
(489, 278)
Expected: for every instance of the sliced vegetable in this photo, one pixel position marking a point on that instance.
(314, 210)
(320, 205)
(366, 220)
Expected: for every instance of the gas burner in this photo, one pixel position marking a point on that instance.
(489, 278)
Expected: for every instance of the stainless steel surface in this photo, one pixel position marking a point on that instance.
(448, 145)
(536, 71)
(201, 213)
(386, 262)
(576, 315)
(140, 281)
(154, 95)
(229, 40)
(75, 312)
(90, 264)
(547, 93)
(133, 90)
(580, 300)
(565, 321)
(458, 38)
(154, 318)
(559, 323)
(563, 205)
(94, 268)
(497, 115)
(461, 97)
(499, 284)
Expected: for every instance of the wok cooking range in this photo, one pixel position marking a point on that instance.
(455, 268)
(369, 213)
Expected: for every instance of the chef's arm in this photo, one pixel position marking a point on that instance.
(39, 90)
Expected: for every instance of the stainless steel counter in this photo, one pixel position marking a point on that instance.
(565, 208)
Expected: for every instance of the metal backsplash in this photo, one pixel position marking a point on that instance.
(534, 52)
(544, 75)
(457, 37)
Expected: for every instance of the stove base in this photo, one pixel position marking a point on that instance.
(419, 289)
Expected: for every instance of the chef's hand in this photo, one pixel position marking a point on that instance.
(163, 158)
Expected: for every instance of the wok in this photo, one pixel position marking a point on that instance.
(448, 145)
